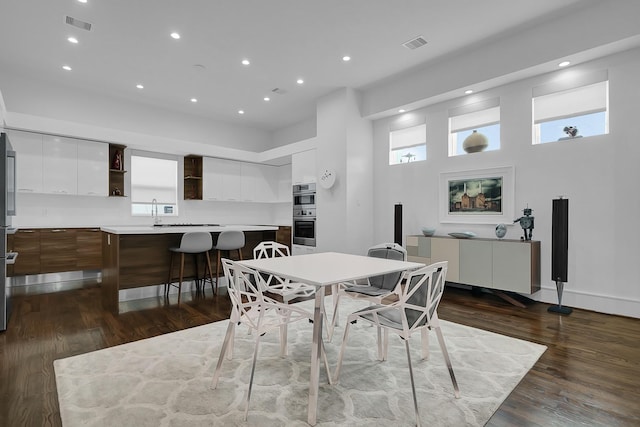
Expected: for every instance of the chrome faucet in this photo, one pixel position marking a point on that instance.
(154, 211)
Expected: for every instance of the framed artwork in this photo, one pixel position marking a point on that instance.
(483, 196)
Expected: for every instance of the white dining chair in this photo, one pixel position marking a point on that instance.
(373, 289)
(262, 314)
(416, 310)
(287, 289)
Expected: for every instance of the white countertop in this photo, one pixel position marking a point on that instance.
(148, 229)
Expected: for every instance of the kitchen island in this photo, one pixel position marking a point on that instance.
(138, 256)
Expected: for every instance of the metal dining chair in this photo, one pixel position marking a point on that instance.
(284, 287)
(372, 289)
(416, 310)
(262, 314)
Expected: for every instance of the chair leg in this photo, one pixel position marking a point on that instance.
(253, 369)
(445, 353)
(380, 344)
(413, 386)
(385, 344)
(336, 377)
(425, 343)
(225, 344)
(240, 254)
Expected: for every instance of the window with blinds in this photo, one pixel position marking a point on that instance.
(480, 117)
(575, 112)
(154, 185)
(408, 145)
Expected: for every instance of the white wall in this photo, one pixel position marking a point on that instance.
(598, 175)
(343, 144)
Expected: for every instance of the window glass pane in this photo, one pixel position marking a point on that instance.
(154, 182)
(587, 125)
(408, 145)
(492, 132)
(410, 154)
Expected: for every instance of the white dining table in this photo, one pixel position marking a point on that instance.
(321, 270)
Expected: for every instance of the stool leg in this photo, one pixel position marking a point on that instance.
(206, 254)
(181, 276)
(167, 285)
(240, 254)
(197, 272)
(217, 270)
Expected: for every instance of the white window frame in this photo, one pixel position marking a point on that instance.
(406, 138)
(564, 100)
(471, 117)
(166, 201)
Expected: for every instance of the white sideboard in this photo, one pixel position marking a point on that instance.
(505, 265)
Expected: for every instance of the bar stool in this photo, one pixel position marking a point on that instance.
(230, 240)
(195, 242)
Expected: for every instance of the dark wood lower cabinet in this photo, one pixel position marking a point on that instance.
(54, 250)
(57, 250)
(88, 249)
(27, 243)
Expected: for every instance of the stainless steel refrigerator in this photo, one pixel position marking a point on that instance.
(7, 210)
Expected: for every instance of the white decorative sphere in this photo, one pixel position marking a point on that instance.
(501, 230)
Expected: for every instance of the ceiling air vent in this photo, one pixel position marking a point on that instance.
(278, 91)
(415, 43)
(78, 23)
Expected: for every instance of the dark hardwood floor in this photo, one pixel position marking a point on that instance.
(590, 374)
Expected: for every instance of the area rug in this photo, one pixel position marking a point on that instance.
(165, 380)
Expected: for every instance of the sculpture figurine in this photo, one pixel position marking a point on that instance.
(526, 222)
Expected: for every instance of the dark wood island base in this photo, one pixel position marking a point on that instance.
(131, 260)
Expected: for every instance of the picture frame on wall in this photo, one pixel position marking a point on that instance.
(483, 196)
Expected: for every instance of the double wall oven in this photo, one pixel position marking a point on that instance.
(304, 214)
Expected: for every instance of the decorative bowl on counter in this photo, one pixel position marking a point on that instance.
(463, 234)
(428, 231)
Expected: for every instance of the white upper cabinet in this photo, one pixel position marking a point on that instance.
(303, 167)
(230, 180)
(28, 147)
(258, 183)
(221, 180)
(60, 165)
(93, 171)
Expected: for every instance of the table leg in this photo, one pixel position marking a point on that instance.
(316, 352)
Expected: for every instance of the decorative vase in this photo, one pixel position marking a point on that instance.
(117, 160)
(475, 142)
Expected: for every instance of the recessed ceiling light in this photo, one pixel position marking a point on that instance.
(300, 81)
(72, 40)
(66, 67)
(402, 110)
(346, 58)
(564, 64)
(194, 100)
(266, 98)
(175, 36)
(139, 86)
(468, 91)
(82, 1)
(240, 111)
(246, 62)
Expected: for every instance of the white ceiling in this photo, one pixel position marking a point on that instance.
(129, 43)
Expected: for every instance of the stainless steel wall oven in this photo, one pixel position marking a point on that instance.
(304, 214)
